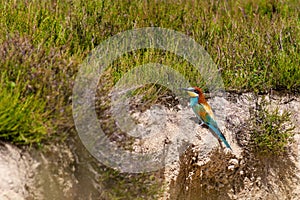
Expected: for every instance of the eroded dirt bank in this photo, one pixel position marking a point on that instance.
(202, 171)
(206, 171)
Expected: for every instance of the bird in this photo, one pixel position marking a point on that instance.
(204, 112)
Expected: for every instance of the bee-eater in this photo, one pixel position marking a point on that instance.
(204, 112)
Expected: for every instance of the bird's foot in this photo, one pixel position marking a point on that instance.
(201, 123)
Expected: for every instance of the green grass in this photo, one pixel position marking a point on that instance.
(271, 131)
(44, 76)
(255, 44)
(129, 186)
(22, 120)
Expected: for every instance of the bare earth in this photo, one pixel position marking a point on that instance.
(196, 166)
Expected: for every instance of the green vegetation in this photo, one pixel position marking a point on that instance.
(254, 43)
(130, 186)
(21, 119)
(271, 131)
(43, 78)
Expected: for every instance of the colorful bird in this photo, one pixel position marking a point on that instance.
(204, 112)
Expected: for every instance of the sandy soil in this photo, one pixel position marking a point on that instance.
(196, 166)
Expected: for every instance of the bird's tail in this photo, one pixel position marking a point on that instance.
(220, 135)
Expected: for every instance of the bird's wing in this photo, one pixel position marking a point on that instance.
(205, 114)
(200, 112)
(209, 111)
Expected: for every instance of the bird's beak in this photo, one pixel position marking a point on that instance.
(187, 89)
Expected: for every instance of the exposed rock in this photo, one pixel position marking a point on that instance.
(197, 167)
(16, 171)
(48, 173)
(54, 177)
(206, 171)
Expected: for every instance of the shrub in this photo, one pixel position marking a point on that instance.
(22, 120)
(271, 131)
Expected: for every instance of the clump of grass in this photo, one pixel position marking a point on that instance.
(43, 74)
(22, 120)
(271, 131)
(130, 186)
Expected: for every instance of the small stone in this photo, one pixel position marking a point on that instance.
(231, 167)
(179, 107)
(242, 162)
(246, 179)
(234, 162)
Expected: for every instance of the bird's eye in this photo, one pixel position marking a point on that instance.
(196, 91)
